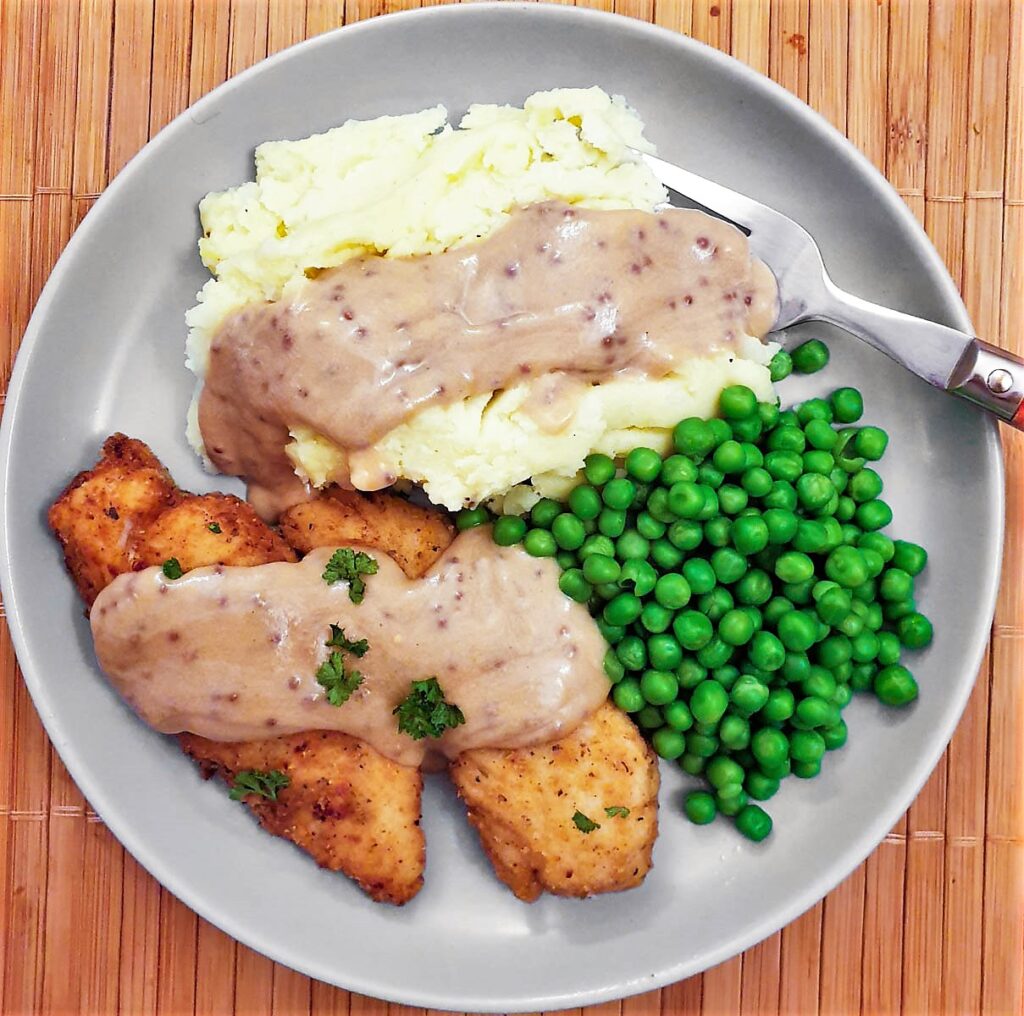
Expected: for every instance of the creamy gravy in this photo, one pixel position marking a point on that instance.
(232, 653)
(557, 289)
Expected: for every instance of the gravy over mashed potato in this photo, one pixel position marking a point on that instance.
(411, 185)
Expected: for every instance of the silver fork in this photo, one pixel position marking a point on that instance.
(961, 364)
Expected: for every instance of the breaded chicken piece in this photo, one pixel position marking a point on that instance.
(350, 807)
(98, 515)
(413, 535)
(523, 804)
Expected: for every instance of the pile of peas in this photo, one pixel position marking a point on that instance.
(743, 585)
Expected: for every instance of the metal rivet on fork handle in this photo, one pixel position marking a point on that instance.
(1000, 381)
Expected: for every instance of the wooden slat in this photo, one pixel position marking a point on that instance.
(933, 92)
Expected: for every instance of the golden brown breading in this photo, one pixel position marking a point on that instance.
(522, 804)
(351, 808)
(414, 536)
(99, 511)
(239, 536)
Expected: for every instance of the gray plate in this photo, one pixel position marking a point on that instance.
(104, 353)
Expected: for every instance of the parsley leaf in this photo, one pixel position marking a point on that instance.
(339, 641)
(338, 682)
(252, 781)
(214, 527)
(346, 565)
(584, 824)
(617, 811)
(172, 568)
(424, 712)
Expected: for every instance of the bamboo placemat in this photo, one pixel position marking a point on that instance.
(934, 920)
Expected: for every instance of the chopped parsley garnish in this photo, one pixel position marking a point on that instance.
(584, 824)
(252, 781)
(338, 682)
(424, 712)
(214, 527)
(617, 811)
(347, 565)
(339, 641)
(172, 569)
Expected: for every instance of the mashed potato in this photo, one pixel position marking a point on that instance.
(412, 184)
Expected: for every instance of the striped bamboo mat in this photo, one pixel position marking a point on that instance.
(933, 922)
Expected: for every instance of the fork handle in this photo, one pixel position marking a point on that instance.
(993, 379)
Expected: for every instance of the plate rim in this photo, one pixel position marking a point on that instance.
(99, 798)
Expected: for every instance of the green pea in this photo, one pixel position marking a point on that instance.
(864, 647)
(624, 609)
(909, 557)
(508, 530)
(834, 650)
(700, 575)
(806, 746)
(568, 531)
(732, 499)
(640, 575)
(735, 628)
(728, 564)
(818, 462)
(749, 534)
(780, 366)
(782, 525)
(767, 651)
(672, 591)
(775, 608)
(613, 667)
(575, 586)
(873, 515)
(666, 555)
(566, 559)
(664, 651)
(914, 630)
(720, 431)
(722, 770)
(873, 562)
(694, 765)
(797, 630)
(619, 493)
(806, 770)
(769, 414)
(756, 481)
(655, 618)
(632, 545)
(815, 712)
(770, 747)
(787, 439)
(895, 686)
(865, 485)
(726, 676)
(699, 807)
(690, 673)
(747, 429)
(737, 402)
(596, 544)
(709, 702)
(833, 605)
(754, 589)
(649, 527)
(643, 464)
(810, 357)
(888, 648)
(781, 496)
(613, 633)
(627, 695)
(811, 537)
(840, 479)
(734, 732)
(598, 469)
(685, 534)
(678, 469)
(843, 694)
(693, 630)
(729, 457)
(845, 565)
(611, 522)
(469, 518)
(658, 507)
(717, 530)
(754, 822)
(798, 592)
(686, 499)
(677, 715)
(870, 443)
(759, 787)
(716, 603)
(898, 609)
(847, 405)
(814, 490)
(715, 654)
(540, 543)
(863, 676)
(649, 718)
(749, 694)
(835, 736)
(708, 476)
(784, 465)
(779, 706)
(659, 687)
(597, 568)
(820, 434)
(794, 567)
(851, 625)
(896, 585)
(632, 652)
(668, 743)
(693, 437)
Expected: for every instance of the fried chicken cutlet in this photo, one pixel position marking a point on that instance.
(349, 807)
